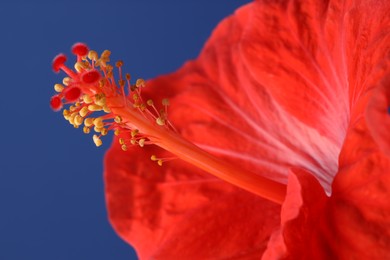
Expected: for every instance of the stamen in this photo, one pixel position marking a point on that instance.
(58, 88)
(92, 88)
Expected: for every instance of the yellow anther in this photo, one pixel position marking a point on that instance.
(106, 109)
(124, 147)
(87, 99)
(84, 111)
(97, 129)
(134, 132)
(165, 102)
(149, 102)
(71, 118)
(94, 107)
(98, 122)
(104, 132)
(78, 120)
(121, 141)
(92, 55)
(119, 63)
(88, 121)
(133, 141)
(121, 83)
(140, 83)
(102, 82)
(142, 107)
(105, 54)
(116, 132)
(72, 108)
(100, 99)
(66, 81)
(86, 130)
(80, 66)
(65, 112)
(141, 142)
(160, 121)
(59, 87)
(118, 119)
(154, 159)
(97, 140)
(128, 76)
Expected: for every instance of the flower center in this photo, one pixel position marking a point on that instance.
(100, 102)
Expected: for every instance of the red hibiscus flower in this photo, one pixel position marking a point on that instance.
(286, 95)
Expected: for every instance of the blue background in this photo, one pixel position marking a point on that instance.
(51, 188)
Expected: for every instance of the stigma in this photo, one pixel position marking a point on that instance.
(95, 100)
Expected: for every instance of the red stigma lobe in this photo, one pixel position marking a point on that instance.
(90, 77)
(58, 61)
(55, 103)
(80, 49)
(72, 94)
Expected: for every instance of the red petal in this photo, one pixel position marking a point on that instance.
(173, 212)
(354, 223)
(302, 215)
(277, 86)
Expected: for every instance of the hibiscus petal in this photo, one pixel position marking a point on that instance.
(174, 212)
(242, 111)
(277, 87)
(354, 223)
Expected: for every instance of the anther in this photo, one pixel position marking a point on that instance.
(165, 102)
(92, 55)
(140, 83)
(81, 66)
(87, 99)
(58, 87)
(88, 121)
(78, 120)
(66, 81)
(86, 130)
(98, 122)
(94, 107)
(104, 132)
(118, 119)
(160, 121)
(84, 111)
(141, 142)
(100, 99)
(97, 140)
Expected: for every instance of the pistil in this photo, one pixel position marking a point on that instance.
(93, 89)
